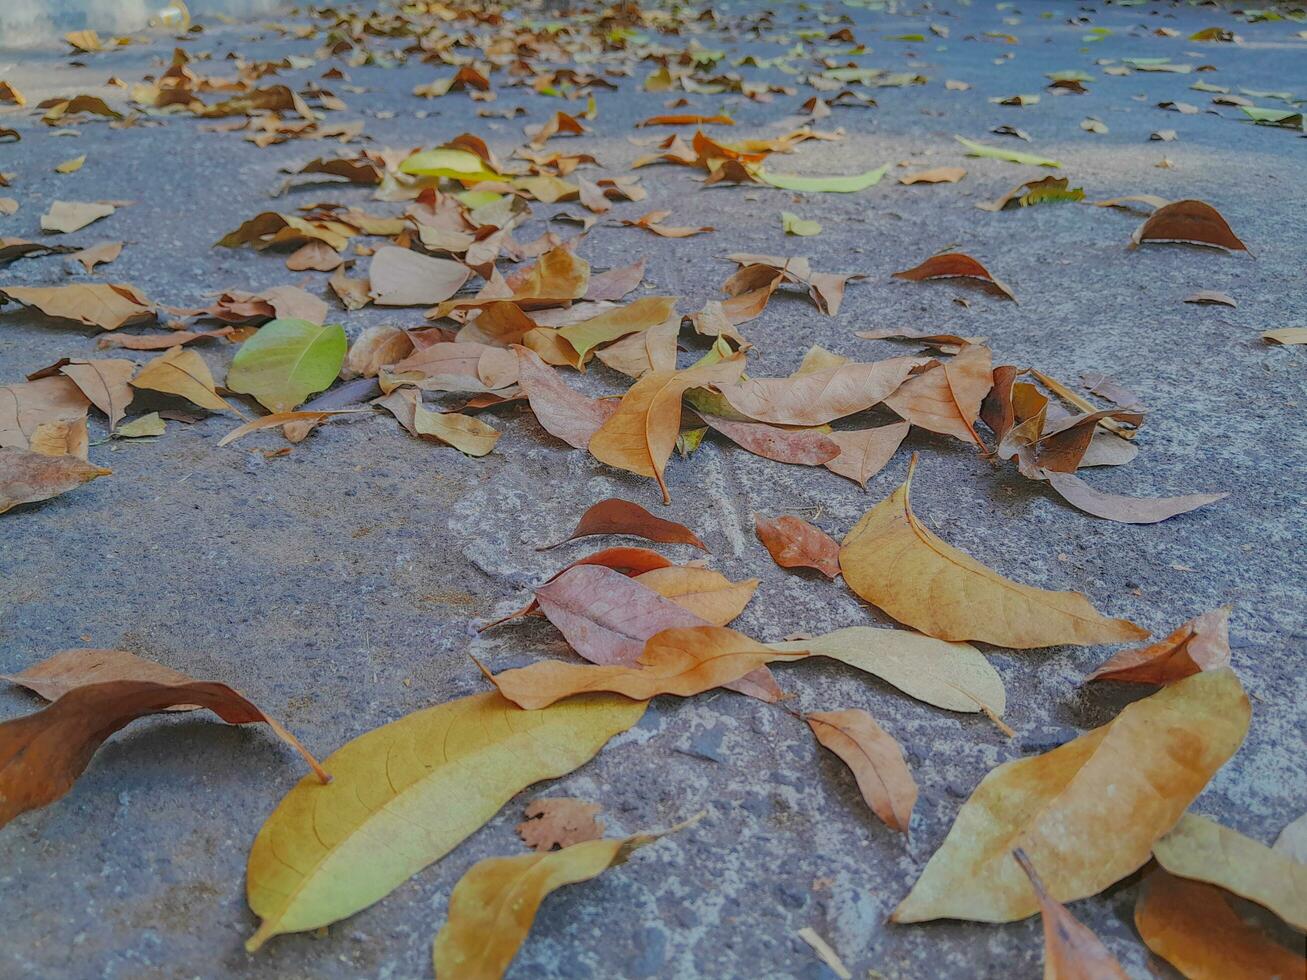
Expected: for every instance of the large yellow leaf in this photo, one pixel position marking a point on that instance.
(407, 793)
(1204, 850)
(1088, 812)
(1193, 928)
(954, 676)
(494, 904)
(183, 372)
(896, 563)
(682, 661)
(641, 434)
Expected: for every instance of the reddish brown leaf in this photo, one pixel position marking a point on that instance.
(1071, 951)
(875, 759)
(794, 543)
(559, 822)
(59, 673)
(1203, 643)
(1190, 222)
(804, 447)
(955, 265)
(615, 516)
(561, 411)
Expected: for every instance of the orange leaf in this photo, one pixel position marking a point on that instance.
(1203, 643)
(616, 516)
(875, 759)
(947, 398)
(794, 543)
(1071, 951)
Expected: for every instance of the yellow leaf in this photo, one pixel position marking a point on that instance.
(709, 595)
(71, 166)
(494, 904)
(1088, 812)
(649, 311)
(104, 305)
(404, 795)
(1193, 928)
(681, 661)
(896, 563)
(183, 372)
(463, 432)
(640, 435)
(1204, 850)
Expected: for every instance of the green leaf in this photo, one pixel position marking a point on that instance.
(447, 162)
(794, 225)
(287, 361)
(1011, 156)
(404, 795)
(1273, 117)
(825, 184)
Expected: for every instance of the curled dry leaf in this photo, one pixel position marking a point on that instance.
(616, 516)
(1122, 508)
(1203, 850)
(1071, 950)
(492, 907)
(1190, 222)
(27, 477)
(864, 452)
(952, 676)
(653, 221)
(1210, 297)
(648, 350)
(936, 175)
(794, 543)
(956, 265)
(682, 661)
(405, 794)
(555, 823)
(561, 411)
(1203, 643)
(875, 759)
(641, 433)
(60, 672)
(95, 304)
(42, 754)
(375, 348)
(282, 418)
(817, 397)
(946, 398)
(897, 564)
(184, 373)
(1193, 927)
(402, 277)
(1053, 806)
(707, 594)
(465, 433)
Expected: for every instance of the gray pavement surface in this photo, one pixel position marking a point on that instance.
(339, 587)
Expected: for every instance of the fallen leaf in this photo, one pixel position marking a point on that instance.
(314, 256)
(1053, 807)
(686, 119)
(1200, 849)
(823, 949)
(955, 265)
(1042, 191)
(1286, 336)
(67, 216)
(561, 411)
(141, 428)
(1011, 156)
(803, 447)
(492, 907)
(556, 823)
(287, 361)
(897, 564)
(71, 166)
(27, 477)
(105, 383)
(792, 224)
(654, 349)
(864, 452)
(616, 516)
(42, 754)
(1293, 840)
(946, 398)
(952, 676)
(1190, 222)
(282, 418)
(159, 341)
(794, 543)
(653, 221)
(709, 595)
(641, 433)
(466, 434)
(1193, 927)
(1071, 951)
(402, 277)
(269, 229)
(817, 397)
(98, 254)
(184, 373)
(610, 325)
(65, 670)
(1203, 643)
(875, 759)
(375, 348)
(936, 175)
(1210, 297)
(831, 184)
(1119, 507)
(12, 249)
(404, 795)
(104, 305)
(680, 661)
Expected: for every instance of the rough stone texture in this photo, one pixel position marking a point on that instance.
(340, 586)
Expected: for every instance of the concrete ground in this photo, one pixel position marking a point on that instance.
(339, 587)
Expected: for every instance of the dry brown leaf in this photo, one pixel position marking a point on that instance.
(105, 384)
(817, 397)
(68, 216)
(559, 822)
(683, 661)
(896, 563)
(184, 373)
(864, 452)
(937, 175)
(875, 759)
(1190, 222)
(561, 411)
(314, 418)
(402, 277)
(709, 595)
(1203, 643)
(1193, 927)
(1210, 297)
(794, 543)
(104, 305)
(653, 221)
(24, 408)
(314, 256)
(1071, 951)
(956, 265)
(375, 348)
(648, 350)
(1119, 507)
(59, 673)
(98, 254)
(27, 477)
(159, 341)
(1085, 819)
(640, 435)
(946, 398)
(616, 516)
